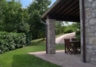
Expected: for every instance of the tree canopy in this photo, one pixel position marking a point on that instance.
(35, 10)
(14, 18)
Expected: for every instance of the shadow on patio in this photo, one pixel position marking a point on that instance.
(62, 59)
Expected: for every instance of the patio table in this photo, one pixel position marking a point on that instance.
(76, 46)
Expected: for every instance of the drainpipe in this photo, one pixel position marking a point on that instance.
(46, 34)
(83, 23)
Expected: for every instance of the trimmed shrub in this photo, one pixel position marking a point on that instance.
(11, 41)
(68, 30)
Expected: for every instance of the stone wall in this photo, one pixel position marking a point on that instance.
(50, 36)
(90, 30)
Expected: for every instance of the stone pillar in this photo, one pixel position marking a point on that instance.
(50, 36)
(90, 29)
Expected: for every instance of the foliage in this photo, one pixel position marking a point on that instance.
(76, 26)
(13, 18)
(68, 30)
(72, 28)
(2, 8)
(77, 30)
(36, 10)
(59, 28)
(11, 41)
(23, 25)
(78, 34)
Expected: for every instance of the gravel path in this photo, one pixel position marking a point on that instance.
(61, 38)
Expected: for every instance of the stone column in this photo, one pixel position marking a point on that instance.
(90, 29)
(50, 36)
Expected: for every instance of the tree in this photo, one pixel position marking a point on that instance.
(36, 10)
(9, 12)
(13, 18)
(2, 8)
(23, 25)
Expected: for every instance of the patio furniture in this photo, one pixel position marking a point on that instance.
(73, 39)
(68, 46)
(76, 46)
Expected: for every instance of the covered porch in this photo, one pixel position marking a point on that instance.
(64, 10)
(82, 11)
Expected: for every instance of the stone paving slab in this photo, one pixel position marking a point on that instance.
(62, 59)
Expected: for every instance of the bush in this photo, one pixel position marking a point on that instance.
(11, 41)
(78, 34)
(68, 30)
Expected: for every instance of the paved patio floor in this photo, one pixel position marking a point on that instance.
(62, 59)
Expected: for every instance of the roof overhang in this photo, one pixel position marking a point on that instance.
(64, 10)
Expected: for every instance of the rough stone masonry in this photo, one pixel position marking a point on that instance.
(90, 30)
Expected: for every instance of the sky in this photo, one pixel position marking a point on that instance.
(25, 3)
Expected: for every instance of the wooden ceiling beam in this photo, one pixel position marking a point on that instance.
(71, 18)
(72, 10)
(59, 6)
(72, 4)
(65, 4)
(74, 13)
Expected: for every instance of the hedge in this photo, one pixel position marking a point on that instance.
(11, 41)
(68, 30)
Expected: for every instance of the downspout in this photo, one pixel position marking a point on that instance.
(84, 37)
(46, 35)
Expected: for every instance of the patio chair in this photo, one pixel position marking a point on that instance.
(77, 45)
(68, 46)
(74, 39)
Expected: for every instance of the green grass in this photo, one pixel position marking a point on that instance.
(59, 35)
(20, 58)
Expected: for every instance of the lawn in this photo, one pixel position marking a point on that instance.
(20, 58)
(59, 35)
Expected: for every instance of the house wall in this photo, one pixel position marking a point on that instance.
(90, 29)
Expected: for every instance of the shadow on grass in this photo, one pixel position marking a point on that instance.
(43, 39)
(25, 60)
(37, 42)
